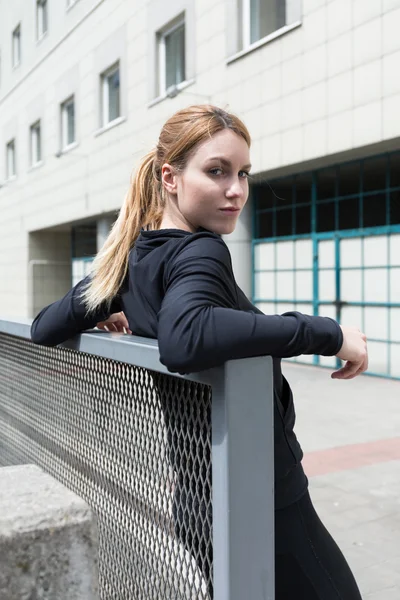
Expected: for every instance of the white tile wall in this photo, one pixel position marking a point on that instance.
(315, 139)
(292, 75)
(367, 42)
(315, 28)
(270, 118)
(292, 110)
(271, 151)
(310, 5)
(340, 92)
(368, 82)
(315, 65)
(315, 104)
(338, 17)
(390, 31)
(271, 84)
(367, 124)
(391, 116)
(340, 135)
(388, 5)
(340, 54)
(365, 11)
(391, 65)
(292, 145)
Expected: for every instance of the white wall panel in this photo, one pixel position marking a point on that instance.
(326, 254)
(285, 285)
(328, 310)
(395, 285)
(376, 322)
(352, 316)
(395, 249)
(264, 256)
(395, 324)
(376, 285)
(395, 360)
(304, 285)
(284, 255)
(265, 285)
(304, 254)
(306, 309)
(267, 308)
(351, 285)
(327, 285)
(378, 357)
(351, 252)
(375, 251)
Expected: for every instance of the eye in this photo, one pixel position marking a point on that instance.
(244, 174)
(214, 171)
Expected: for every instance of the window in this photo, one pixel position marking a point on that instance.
(16, 46)
(10, 158)
(41, 18)
(261, 18)
(36, 144)
(68, 122)
(360, 194)
(110, 95)
(171, 57)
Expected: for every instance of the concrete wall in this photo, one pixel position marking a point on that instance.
(327, 88)
(48, 539)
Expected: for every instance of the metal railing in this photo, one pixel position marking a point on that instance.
(178, 469)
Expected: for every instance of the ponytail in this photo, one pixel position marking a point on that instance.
(142, 207)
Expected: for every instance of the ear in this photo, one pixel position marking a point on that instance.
(169, 178)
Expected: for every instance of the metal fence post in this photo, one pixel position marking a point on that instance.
(243, 481)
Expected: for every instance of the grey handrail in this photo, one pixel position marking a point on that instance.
(242, 456)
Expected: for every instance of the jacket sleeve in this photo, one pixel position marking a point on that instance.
(200, 325)
(67, 317)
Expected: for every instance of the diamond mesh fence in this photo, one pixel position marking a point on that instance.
(135, 444)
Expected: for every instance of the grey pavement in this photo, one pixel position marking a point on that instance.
(356, 486)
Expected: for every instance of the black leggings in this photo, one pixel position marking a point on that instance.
(308, 563)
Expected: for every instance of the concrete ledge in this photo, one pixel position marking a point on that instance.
(48, 539)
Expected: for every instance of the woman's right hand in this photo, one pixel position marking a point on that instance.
(354, 351)
(115, 322)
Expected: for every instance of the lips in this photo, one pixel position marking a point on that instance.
(230, 209)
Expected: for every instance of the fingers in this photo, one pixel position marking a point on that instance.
(346, 372)
(351, 370)
(117, 326)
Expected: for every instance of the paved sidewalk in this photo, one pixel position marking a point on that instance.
(350, 434)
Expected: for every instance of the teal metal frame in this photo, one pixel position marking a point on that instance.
(336, 235)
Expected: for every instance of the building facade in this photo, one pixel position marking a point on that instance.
(85, 86)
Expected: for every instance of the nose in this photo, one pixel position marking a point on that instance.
(235, 190)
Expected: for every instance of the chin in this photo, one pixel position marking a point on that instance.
(225, 229)
(220, 228)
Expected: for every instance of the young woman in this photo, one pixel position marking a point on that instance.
(166, 273)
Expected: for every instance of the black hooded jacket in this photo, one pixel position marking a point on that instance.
(180, 289)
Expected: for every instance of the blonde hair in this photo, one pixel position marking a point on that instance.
(145, 200)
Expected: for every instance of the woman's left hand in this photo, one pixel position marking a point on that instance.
(115, 322)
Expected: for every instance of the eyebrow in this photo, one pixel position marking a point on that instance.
(227, 162)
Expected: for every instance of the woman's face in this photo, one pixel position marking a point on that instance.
(212, 189)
